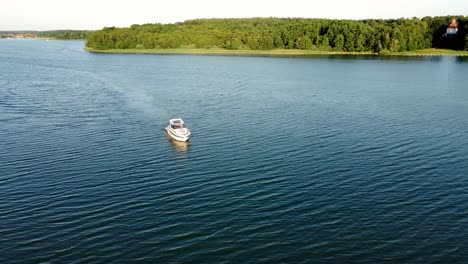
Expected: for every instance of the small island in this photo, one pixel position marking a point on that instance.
(429, 36)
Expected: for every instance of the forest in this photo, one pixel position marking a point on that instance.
(373, 35)
(64, 34)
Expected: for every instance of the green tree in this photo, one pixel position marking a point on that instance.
(304, 43)
(290, 33)
(339, 42)
(361, 43)
(291, 44)
(466, 42)
(278, 42)
(265, 43)
(325, 43)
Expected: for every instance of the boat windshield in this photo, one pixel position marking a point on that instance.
(177, 125)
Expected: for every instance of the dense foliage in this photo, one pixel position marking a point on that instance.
(287, 33)
(65, 34)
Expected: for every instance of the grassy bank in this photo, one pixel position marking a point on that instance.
(277, 52)
(432, 52)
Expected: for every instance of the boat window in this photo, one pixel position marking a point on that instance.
(177, 125)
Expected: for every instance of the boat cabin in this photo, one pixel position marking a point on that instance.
(177, 123)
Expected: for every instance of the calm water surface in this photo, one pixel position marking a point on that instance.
(291, 160)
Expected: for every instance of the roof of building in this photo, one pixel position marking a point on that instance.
(453, 24)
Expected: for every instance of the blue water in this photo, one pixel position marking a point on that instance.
(291, 160)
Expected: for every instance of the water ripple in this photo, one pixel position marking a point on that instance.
(287, 163)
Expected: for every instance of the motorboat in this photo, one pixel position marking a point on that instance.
(177, 130)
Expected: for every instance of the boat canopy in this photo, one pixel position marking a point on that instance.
(177, 122)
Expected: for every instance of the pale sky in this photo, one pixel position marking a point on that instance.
(96, 14)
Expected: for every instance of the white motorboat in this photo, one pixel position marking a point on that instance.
(177, 130)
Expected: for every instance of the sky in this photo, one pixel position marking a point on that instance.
(96, 14)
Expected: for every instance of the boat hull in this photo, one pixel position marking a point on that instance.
(177, 136)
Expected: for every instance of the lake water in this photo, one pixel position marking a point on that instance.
(291, 160)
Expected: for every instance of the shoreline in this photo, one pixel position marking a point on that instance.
(278, 52)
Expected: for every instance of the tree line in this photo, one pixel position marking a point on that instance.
(64, 34)
(372, 35)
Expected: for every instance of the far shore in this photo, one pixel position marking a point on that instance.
(278, 52)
